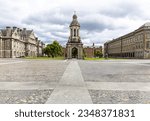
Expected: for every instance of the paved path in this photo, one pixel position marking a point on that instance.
(71, 88)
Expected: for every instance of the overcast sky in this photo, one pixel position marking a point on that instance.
(100, 20)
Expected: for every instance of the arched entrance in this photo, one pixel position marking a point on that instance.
(74, 52)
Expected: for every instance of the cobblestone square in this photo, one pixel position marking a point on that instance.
(26, 81)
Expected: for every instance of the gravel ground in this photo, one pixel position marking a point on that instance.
(24, 96)
(119, 97)
(33, 70)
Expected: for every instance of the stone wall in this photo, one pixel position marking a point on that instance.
(16, 42)
(89, 51)
(133, 45)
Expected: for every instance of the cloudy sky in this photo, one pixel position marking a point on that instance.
(100, 20)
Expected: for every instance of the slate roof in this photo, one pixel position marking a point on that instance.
(23, 33)
(145, 25)
(3, 31)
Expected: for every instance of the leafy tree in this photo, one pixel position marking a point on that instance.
(98, 54)
(84, 54)
(57, 48)
(53, 50)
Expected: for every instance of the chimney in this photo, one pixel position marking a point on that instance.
(93, 44)
(14, 28)
(8, 31)
(24, 29)
(8, 27)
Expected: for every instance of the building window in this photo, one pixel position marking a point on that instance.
(148, 44)
(148, 35)
(74, 32)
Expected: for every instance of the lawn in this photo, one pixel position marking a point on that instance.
(45, 58)
(103, 59)
(62, 58)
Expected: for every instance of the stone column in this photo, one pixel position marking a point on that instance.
(78, 52)
(76, 33)
(70, 52)
(70, 32)
(73, 32)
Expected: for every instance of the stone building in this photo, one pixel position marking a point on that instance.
(16, 42)
(90, 50)
(40, 46)
(133, 45)
(74, 47)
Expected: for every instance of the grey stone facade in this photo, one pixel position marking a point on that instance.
(16, 42)
(74, 48)
(133, 45)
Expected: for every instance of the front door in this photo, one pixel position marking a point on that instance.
(74, 52)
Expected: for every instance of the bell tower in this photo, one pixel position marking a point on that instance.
(74, 30)
(74, 45)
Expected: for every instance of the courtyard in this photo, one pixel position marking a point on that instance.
(28, 81)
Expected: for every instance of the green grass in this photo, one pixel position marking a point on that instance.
(103, 58)
(45, 58)
(94, 58)
(62, 58)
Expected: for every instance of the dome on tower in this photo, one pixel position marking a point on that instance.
(74, 21)
(74, 16)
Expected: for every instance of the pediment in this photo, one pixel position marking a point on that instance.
(15, 34)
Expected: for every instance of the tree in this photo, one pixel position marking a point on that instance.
(57, 49)
(84, 53)
(98, 54)
(53, 50)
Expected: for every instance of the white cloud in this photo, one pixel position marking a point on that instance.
(100, 20)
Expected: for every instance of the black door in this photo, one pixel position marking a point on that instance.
(74, 52)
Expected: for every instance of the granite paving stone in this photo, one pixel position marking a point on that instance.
(25, 81)
(24, 96)
(119, 97)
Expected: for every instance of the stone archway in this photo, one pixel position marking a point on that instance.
(74, 52)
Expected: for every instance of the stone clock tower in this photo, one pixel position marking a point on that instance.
(74, 45)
